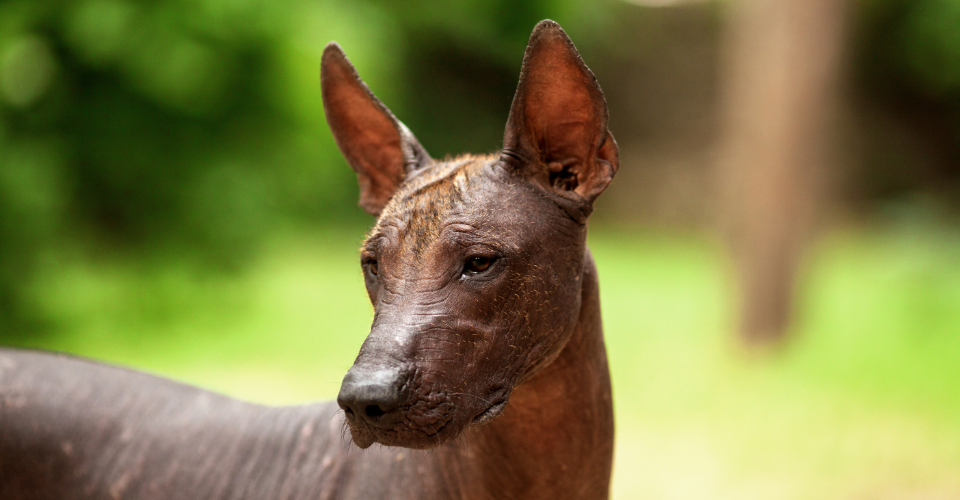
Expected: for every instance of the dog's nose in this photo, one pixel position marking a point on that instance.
(370, 395)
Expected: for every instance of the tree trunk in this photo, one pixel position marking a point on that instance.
(779, 93)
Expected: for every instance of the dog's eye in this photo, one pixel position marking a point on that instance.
(477, 264)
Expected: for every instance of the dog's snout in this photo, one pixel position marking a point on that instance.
(371, 395)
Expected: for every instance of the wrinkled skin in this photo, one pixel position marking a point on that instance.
(457, 336)
(484, 374)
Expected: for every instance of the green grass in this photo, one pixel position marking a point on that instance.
(862, 403)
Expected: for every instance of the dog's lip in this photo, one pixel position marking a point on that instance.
(492, 412)
(364, 435)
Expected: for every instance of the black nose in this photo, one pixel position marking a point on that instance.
(371, 395)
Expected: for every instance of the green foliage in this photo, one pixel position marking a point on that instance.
(909, 51)
(197, 127)
(165, 126)
(905, 58)
(178, 126)
(916, 42)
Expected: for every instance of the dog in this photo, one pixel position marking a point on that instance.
(484, 375)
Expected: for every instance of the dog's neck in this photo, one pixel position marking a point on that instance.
(555, 438)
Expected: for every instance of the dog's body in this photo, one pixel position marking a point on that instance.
(484, 293)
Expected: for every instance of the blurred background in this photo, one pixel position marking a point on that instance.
(779, 254)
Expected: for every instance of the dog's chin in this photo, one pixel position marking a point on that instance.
(405, 437)
(407, 434)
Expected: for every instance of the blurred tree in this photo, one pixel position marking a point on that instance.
(780, 89)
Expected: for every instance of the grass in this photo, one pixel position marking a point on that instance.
(862, 403)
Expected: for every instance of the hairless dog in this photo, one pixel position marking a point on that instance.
(484, 375)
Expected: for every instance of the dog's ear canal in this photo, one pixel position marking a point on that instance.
(557, 129)
(380, 149)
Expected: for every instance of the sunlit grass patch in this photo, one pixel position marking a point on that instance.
(862, 402)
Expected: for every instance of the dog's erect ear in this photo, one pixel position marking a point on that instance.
(376, 145)
(557, 130)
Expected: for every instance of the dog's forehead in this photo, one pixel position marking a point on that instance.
(427, 200)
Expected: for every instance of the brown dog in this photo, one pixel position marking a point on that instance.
(486, 353)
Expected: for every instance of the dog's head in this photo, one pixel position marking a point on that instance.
(475, 263)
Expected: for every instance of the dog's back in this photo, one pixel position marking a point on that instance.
(71, 428)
